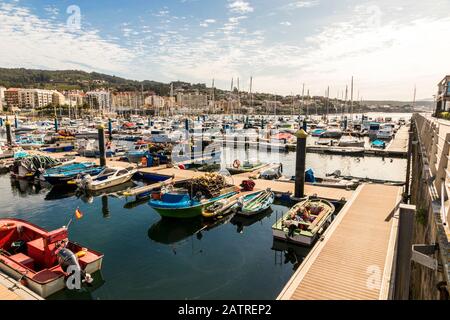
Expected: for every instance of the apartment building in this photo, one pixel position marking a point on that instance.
(100, 100)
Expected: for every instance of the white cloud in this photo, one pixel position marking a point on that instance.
(240, 6)
(304, 4)
(207, 22)
(38, 43)
(286, 23)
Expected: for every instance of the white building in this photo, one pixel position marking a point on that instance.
(100, 100)
(2, 98)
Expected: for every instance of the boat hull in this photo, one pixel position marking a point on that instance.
(180, 213)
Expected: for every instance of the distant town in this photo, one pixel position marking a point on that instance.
(67, 92)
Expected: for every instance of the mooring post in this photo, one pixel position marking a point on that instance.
(149, 122)
(305, 125)
(101, 145)
(110, 129)
(345, 123)
(1, 122)
(16, 123)
(300, 164)
(408, 166)
(186, 124)
(56, 124)
(8, 133)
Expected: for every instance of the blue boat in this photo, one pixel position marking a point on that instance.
(59, 147)
(66, 173)
(317, 132)
(179, 204)
(378, 144)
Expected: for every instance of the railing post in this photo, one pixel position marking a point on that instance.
(404, 252)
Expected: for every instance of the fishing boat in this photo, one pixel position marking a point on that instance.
(40, 259)
(32, 166)
(179, 204)
(66, 174)
(256, 203)
(107, 178)
(304, 222)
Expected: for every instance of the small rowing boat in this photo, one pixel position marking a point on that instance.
(256, 203)
(221, 207)
(109, 177)
(304, 222)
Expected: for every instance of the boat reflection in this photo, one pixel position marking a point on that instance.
(85, 293)
(172, 231)
(244, 221)
(61, 192)
(25, 188)
(286, 252)
(88, 196)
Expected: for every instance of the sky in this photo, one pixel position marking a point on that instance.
(388, 46)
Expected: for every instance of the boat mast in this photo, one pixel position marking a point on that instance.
(303, 100)
(239, 95)
(251, 92)
(351, 104)
(213, 97)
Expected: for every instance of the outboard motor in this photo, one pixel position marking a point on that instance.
(67, 258)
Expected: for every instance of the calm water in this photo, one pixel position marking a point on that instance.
(363, 167)
(146, 258)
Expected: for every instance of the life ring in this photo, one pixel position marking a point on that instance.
(7, 226)
(236, 164)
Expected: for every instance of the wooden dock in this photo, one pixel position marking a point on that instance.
(280, 188)
(355, 257)
(400, 141)
(10, 290)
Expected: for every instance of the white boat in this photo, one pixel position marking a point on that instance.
(350, 142)
(385, 133)
(109, 177)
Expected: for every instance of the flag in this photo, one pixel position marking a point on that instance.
(78, 214)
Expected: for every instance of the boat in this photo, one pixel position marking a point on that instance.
(179, 204)
(378, 144)
(107, 178)
(40, 259)
(138, 151)
(385, 133)
(304, 222)
(221, 207)
(332, 133)
(59, 147)
(317, 132)
(247, 166)
(256, 203)
(271, 172)
(351, 142)
(32, 166)
(66, 174)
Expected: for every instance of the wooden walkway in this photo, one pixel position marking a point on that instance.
(260, 184)
(400, 141)
(9, 290)
(354, 259)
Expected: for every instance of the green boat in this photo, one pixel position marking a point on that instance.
(245, 167)
(179, 204)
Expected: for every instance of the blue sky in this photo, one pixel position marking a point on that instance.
(389, 46)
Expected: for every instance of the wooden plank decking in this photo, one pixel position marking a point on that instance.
(9, 290)
(355, 257)
(400, 141)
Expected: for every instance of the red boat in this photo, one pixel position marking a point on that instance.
(40, 259)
